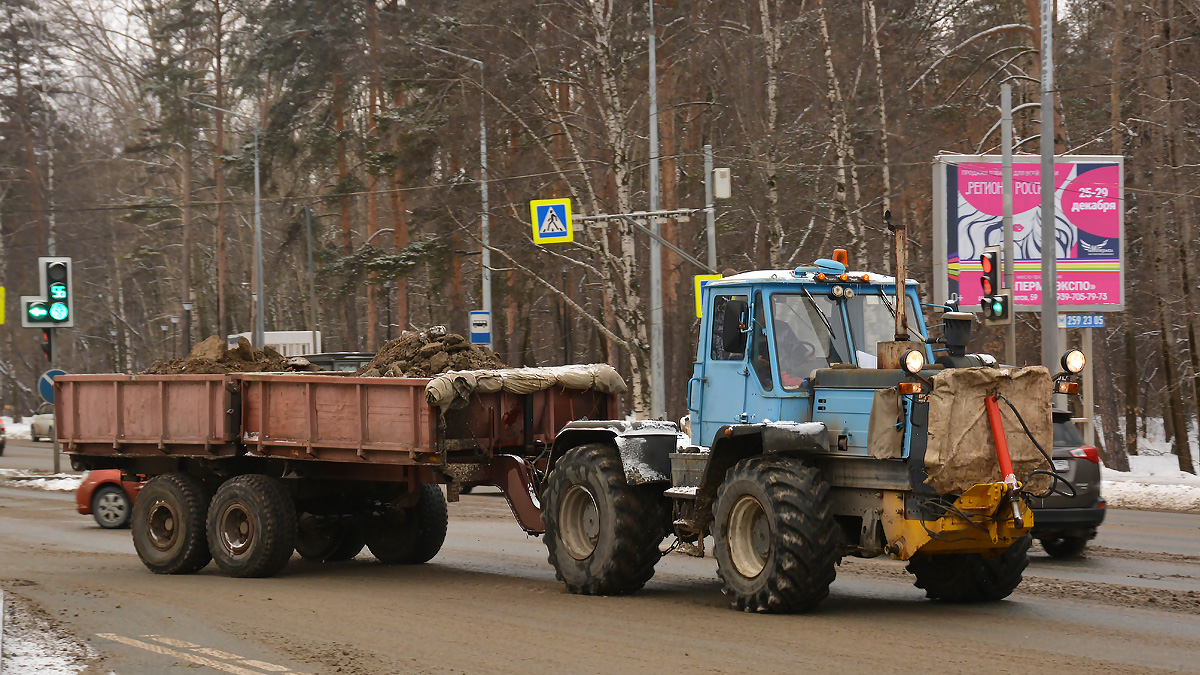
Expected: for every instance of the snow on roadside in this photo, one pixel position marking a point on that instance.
(17, 430)
(39, 480)
(34, 642)
(1153, 483)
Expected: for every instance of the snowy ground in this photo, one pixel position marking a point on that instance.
(19, 430)
(40, 480)
(1154, 480)
(35, 643)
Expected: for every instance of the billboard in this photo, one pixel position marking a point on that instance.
(1090, 242)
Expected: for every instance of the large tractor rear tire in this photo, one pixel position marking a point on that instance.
(413, 535)
(252, 526)
(328, 538)
(775, 534)
(971, 577)
(168, 524)
(602, 534)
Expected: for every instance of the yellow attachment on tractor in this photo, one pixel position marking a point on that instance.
(990, 528)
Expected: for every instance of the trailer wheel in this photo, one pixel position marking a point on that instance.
(168, 524)
(252, 526)
(413, 535)
(775, 534)
(970, 577)
(602, 534)
(327, 538)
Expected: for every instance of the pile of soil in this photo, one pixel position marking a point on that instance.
(213, 357)
(427, 353)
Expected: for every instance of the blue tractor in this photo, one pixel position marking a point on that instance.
(820, 425)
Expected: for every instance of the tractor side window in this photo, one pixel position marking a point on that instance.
(760, 353)
(717, 349)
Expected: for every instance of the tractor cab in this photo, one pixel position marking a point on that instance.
(766, 334)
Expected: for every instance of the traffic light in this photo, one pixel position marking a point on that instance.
(998, 308)
(48, 344)
(55, 305)
(990, 261)
(996, 305)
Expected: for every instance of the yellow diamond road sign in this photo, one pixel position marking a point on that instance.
(551, 221)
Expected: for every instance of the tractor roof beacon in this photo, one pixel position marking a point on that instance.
(801, 446)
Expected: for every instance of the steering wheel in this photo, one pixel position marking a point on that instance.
(797, 353)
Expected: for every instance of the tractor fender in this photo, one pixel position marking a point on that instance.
(645, 446)
(736, 442)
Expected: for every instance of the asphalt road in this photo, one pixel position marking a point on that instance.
(489, 603)
(23, 454)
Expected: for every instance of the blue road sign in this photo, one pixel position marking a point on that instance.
(46, 384)
(1081, 321)
(481, 328)
(551, 221)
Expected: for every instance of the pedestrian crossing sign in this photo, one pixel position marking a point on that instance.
(552, 221)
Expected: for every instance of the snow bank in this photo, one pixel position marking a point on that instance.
(18, 430)
(1153, 483)
(37, 480)
(34, 642)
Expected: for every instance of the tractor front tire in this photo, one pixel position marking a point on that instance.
(168, 524)
(252, 526)
(412, 535)
(602, 534)
(971, 577)
(776, 537)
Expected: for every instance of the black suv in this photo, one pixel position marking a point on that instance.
(1064, 524)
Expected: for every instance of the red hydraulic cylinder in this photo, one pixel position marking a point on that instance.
(997, 425)
(1003, 456)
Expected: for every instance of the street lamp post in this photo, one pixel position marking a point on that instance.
(187, 327)
(485, 261)
(259, 322)
(174, 336)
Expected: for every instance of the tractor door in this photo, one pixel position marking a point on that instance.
(762, 395)
(720, 375)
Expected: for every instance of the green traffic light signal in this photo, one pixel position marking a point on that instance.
(997, 307)
(37, 311)
(59, 311)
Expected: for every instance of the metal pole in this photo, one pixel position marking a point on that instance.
(54, 364)
(1006, 189)
(312, 276)
(658, 405)
(485, 259)
(259, 299)
(1050, 348)
(1089, 393)
(710, 214)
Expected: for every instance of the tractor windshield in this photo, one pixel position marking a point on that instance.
(872, 320)
(809, 334)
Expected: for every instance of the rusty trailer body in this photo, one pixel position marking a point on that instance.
(344, 448)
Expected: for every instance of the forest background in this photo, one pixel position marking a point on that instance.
(828, 114)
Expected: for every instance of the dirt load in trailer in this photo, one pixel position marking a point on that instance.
(245, 468)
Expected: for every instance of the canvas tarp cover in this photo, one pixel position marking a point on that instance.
(961, 451)
(453, 390)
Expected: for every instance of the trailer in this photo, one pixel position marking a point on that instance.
(245, 468)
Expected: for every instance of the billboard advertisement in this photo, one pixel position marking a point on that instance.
(1089, 224)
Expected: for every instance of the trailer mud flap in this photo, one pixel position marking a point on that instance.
(515, 479)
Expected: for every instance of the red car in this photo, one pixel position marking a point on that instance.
(108, 498)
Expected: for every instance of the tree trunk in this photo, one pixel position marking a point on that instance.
(1131, 389)
(339, 115)
(219, 171)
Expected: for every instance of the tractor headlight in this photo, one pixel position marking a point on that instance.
(913, 361)
(1073, 361)
(837, 291)
(849, 293)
